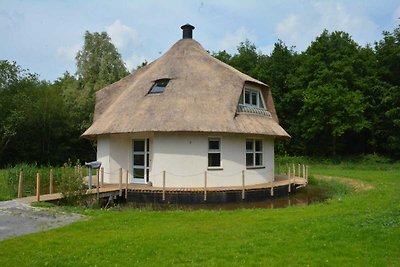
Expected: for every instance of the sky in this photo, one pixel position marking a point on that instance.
(44, 36)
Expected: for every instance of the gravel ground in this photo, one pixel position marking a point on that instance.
(18, 219)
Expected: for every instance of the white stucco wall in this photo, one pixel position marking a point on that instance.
(184, 157)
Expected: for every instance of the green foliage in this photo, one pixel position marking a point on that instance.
(66, 180)
(42, 122)
(334, 98)
(71, 185)
(99, 63)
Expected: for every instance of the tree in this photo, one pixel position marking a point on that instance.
(99, 63)
(333, 104)
(388, 68)
(15, 100)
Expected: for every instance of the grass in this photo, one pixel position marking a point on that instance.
(352, 229)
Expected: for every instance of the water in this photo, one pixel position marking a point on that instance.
(303, 196)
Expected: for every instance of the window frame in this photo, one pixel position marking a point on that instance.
(254, 153)
(214, 151)
(260, 103)
(155, 85)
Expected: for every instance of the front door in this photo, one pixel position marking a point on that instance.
(140, 156)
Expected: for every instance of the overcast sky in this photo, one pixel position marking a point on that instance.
(44, 36)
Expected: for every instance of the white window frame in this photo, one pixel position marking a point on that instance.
(214, 151)
(260, 103)
(254, 153)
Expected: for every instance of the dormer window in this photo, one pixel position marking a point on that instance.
(159, 86)
(252, 101)
(252, 98)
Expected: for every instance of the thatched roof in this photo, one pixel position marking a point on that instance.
(201, 96)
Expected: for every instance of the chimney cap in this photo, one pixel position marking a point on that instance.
(187, 31)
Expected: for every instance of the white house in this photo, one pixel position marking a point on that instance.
(186, 113)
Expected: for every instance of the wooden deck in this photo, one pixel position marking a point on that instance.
(117, 189)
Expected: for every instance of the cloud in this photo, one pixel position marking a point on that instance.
(134, 60)
(396, 16)
(232, 39)
(301, 28)
(267, 49)
(128, 42)
(122, 35)
(68, 53)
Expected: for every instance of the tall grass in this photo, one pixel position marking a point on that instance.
(66, 179)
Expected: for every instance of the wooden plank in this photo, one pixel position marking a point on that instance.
(51, 189)
(120, 182)
(243, 183)
(20, 186)
(126, 184)
(163, 192)
(37, 187)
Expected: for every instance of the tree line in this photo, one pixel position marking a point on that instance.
(334, 98)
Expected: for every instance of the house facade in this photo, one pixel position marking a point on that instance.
(185, 116)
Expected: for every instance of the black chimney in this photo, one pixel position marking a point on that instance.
(187, 31)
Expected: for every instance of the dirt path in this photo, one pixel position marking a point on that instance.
(358, 185)
(19, 218)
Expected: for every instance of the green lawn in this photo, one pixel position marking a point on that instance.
(357, 229)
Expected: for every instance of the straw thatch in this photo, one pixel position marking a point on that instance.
(202, 96)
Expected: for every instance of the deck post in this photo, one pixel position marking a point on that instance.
(304, 173)
(97, 186)
(307, 173)
(163, 186)
(102, 176)
(205, 186)
(20, 190)
(289, 189)
(120, 182)
(51, 189)
(37, 187)
(272, 189)
(243, 184)
(126, 184)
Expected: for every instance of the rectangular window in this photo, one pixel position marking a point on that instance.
(214, 152)
(254, 153)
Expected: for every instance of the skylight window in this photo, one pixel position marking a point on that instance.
(159, 86)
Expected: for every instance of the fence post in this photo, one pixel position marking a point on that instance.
(307, 174)
(37, 187)
(51, 190)
(272, 189)
(288, 175)
(97, 186)
(243, 184)
(20, 190)
(126, 184)
(102, 176)
(205, 186)
(120, 182)
(163, 185)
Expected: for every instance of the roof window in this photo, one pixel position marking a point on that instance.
(159, 86)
